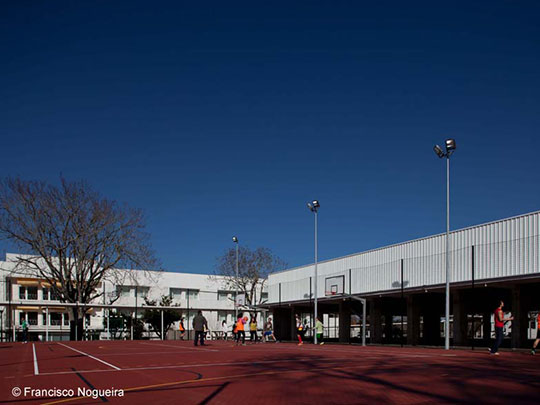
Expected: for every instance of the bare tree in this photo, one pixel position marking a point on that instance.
(253, 269)
(72, 237)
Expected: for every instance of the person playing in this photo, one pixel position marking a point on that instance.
(253, 330)
(224, 329)
(24, 327)
(299, 330)
(319, 329)
(240, 322)
(499, 326)
(537, 340)
(199, 326)
(269, 331)
(182, 329)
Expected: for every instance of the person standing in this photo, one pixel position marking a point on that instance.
(319, 329)
(24, 327)
(224, 329)
(269, 331)
(537, 340)
(299, 330)
(182, 329)
(199, 326)
(240, 322)
(499, 326)
(253, 329)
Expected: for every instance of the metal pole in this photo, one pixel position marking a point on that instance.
(108, 329)
(474, 312)
(162, 325)
(401, 303)
(136, 296)
(46, 324)
(187, 292)
(364, 311)
(236, 286)
(447, 309)
(77, 322)
(310, 297)
(316, 276)
(2, 325)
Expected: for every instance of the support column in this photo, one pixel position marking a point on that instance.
(487, 317)
(375, 320)
(388, 325)
(345, 322)
(432, 325)
(460, 318)
(413, 320)
(519, 324)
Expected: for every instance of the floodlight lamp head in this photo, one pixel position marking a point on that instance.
(310, 206)
(438, 151)
(235, 239)
(316, 204)
(450, 145)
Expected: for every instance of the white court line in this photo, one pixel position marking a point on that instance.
(36, 369)
(92, 357)
(336, 361)
(180, 347)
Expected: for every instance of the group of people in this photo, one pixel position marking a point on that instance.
(303, 327)
(200, 327)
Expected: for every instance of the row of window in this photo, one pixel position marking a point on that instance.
(57, 318)
(31, 293)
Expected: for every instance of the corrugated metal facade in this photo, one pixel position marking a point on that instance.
(508, 248)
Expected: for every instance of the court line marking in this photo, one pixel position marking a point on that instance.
(92, 357)
(181, 382)
(193, 365)
(234, 363)
(36, 368)
(179, 347)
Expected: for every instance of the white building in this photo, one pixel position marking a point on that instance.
(29, 298)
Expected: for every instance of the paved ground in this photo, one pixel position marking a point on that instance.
(173, 372)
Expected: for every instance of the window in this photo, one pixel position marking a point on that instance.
(193, 294)
(32, 318)
(142, 291)
(28, 293)
(225, 295)
(31, 293)
(44, 319)
(175, 293)
(56, 318)
(45, 292)
(264, 296)
(54, 296)
(123, 291)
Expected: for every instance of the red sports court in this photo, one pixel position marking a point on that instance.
(168, 372)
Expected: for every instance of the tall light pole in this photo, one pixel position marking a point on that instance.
(235, 240)
(314, 207)
(450, 148)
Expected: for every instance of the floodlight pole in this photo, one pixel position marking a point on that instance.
(235, 240)
(314, 207)
(450, 148)
(447, 308)
(315, 284)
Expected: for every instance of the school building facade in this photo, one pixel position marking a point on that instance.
(26, 297)
(404, 288)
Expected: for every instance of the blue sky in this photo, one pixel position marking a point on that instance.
(223, 119)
